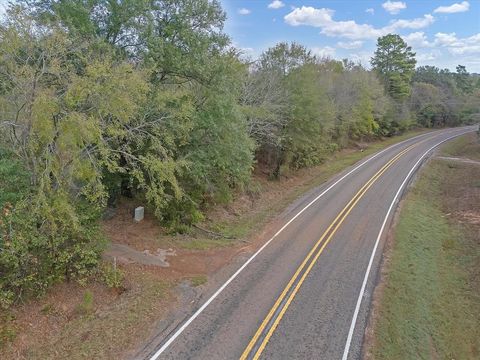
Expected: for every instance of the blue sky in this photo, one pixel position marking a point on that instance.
(442, 33)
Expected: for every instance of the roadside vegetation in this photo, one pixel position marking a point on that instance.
(428, 300)
(104, 101)
(123, 305)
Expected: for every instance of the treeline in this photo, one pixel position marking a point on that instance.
(149, 99)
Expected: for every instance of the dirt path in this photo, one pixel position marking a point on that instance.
(463, 160)
(126, 255)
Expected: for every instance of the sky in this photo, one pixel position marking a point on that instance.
(442, 33)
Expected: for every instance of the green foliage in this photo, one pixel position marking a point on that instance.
(360, 105)
(285, 57)
(14, 179)
(45, 244)
(300, 108)
(395, 63)
(112, 275)
(310, 119)
(428, 105)
(442, 98)
(463, 80)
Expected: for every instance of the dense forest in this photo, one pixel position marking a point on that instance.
(149, 99)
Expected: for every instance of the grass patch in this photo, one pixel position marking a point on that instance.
(465, 146)
(86, 306)
(430, 305)
(198, 280)
(203, 243)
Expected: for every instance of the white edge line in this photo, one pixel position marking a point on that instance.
(380, 233)
(203, 307)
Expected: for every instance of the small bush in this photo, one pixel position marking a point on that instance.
(112, 275)
(43, 245)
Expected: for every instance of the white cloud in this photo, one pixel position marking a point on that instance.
(443, 39)
(324, 52)
(447, 50)
(307, 15)
(362, 57)
(458, 46)
(323, 19)
(472, 61)
(417, 40)
(428, 56)
(417, 23)
(350, 44)
(394, 7)
(370, 11)
(276, 4)
(450, 42)
(462, 50)
(244, 11)
(454, 8)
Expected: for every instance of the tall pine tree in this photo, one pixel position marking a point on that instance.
(395, 63)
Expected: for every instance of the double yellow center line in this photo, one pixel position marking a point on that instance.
(276, 313)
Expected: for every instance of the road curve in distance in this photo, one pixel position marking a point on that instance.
(305, 294)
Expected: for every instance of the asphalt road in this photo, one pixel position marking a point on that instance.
(308, 288)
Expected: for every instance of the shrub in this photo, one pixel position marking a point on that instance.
(112, 275)
(40, 246)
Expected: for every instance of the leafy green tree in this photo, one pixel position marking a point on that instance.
(456, 92)
(427, 103)
(219, 151)
(181, 46)
(442, 79)
(395, 62)
(463, 80)
(182, 40)
(62, 108)
(310, 120)
(360, 104)
(285, 57)
(266, 100)
(117, 22)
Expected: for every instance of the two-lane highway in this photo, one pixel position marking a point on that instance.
(305, 293)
